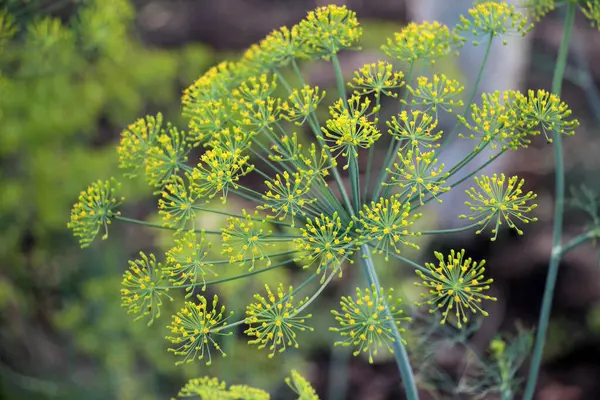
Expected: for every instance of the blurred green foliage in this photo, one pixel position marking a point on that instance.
(72, 74)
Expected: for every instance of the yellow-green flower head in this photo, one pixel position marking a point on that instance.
(350, 129)
(301, 387)
(176, 204)
(248, 393)
(207, 388)
(233, 139)
(288, 149)
(277, 49)
(426, 41)
(543, 109)
(327, 30)
(496, 123)
(440, 91)
(377, 78)
(416, 129)
(316, 165)
(386, 223)
(502, 200)
(141, 292)
(95, 209)
(167, 157)
(491, 19)
(539, 8)
(186, 261)
(301, 104)
(287, 195)
(135, 142)
(208, 118)
(245, 240)
(591, 9)
(365, 325)
(256, 89)
(274, 320)
(261, 114)
(213, 85)
(417, 174)
(218, 172)
(326, 241)
(455, 285)
(195, 328)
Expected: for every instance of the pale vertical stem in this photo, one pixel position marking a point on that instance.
(540, 337)
(400, 354)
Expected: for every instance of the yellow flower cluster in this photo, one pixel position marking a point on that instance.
(245, 240)
(194, 330)
(377, 78)
(274, 320)
(455, 285)
(440, 91)
(493, 19)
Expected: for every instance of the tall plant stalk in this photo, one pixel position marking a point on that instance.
(556, 254)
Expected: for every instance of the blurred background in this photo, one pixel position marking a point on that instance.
(74, 73)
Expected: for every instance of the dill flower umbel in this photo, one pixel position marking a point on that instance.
(416, 128)
(167, 157)
(543, 109)
(186, 261)
(302, 103)
(274, 320)
(591, 9)
(94, 210)
(418, 175)
(387, 223)
(246, 240)
(495, 123)
(427, 41)
(329, 29)
(327, 242)
(195, 328)
(500, 199)
(349, 128)
(365, 324)
(286, 195)
(301, 387)
(136, 140)
(440, 91)
(455, 285)
(176, 204)
(377, 78)
(493, 19)
(141, 292)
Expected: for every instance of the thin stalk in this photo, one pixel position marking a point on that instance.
(224, 280)
(355, 183)
(318, 292)
(486, 56)
(339, 78)
(540, 337)
(400, 354)
(392, 149)
(579, 240)
(445, 231)
(158, 226)
(371, 150)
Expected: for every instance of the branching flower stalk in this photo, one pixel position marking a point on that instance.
(271, 178)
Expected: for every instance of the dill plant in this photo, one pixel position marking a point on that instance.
(304, 214)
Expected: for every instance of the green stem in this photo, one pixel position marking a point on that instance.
(486, 56)
(371, 150)
(393, 148)
(445, 231)
(158, 226)
(540, 338)
(400, 354)
(409, 262)
(579, 240)
(232, 278)
(355, 183)
(339, 78)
